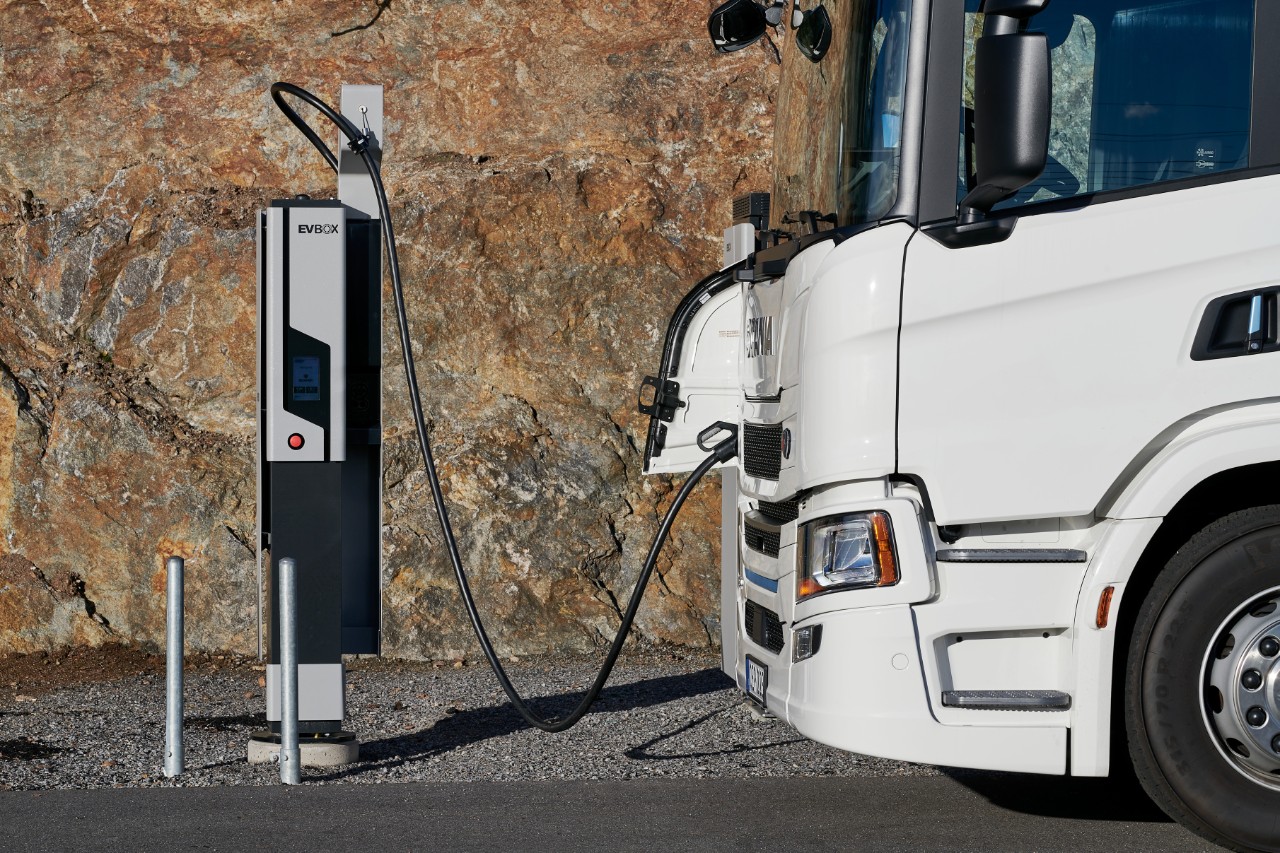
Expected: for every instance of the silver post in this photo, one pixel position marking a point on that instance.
(173, 754)
(290, 757)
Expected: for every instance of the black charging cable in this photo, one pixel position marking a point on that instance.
(358, 141)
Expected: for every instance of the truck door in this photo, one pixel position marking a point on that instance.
(697, 383)
(1035, 369)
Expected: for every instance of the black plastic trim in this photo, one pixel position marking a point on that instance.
(772, 262)
(1012, 555)
(1208, 345)
(943, 97)
(962, 235)
(1264, 130)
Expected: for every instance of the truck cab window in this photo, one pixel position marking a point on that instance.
(1142, 93)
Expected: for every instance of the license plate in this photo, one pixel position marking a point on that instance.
(757, 680)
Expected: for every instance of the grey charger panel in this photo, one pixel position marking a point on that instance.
(304, 308)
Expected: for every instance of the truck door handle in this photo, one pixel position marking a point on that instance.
(1253, 342)
(1239, 324)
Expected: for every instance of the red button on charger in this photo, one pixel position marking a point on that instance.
(296, 441)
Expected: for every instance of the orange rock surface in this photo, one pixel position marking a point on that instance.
(559, 175)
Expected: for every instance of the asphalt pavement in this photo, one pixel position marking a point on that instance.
(970, 811)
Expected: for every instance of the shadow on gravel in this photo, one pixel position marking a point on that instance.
(26, 750)
(1060, 796)
(227, 723)
(642, 753)
(479, 724)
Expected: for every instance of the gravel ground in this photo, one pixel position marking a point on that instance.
(661, 715)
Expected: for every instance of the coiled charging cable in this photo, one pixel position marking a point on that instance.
(358, 141)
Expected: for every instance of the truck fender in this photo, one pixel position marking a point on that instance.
(1190, 452)
(1185, 455)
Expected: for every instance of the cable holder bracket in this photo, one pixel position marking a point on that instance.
(666, 398)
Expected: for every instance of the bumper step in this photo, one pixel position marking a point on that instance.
(1007, 700)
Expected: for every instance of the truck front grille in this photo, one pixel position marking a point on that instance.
(763, 627)
(760, 539)
(762, 450)
(782, 512)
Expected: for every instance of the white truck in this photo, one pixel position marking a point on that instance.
(1006, 374)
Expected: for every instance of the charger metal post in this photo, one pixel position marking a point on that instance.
(319, 436)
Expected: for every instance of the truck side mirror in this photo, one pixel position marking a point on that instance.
(1011, 98)
(736, 24)
(813, 36)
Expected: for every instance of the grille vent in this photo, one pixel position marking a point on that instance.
(760, 539)
(763, 626)
(752, 208)
(762, 450)
(782, 512)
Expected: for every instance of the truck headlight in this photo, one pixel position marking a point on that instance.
(847, 552)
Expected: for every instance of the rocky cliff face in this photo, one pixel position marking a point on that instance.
(559, 174)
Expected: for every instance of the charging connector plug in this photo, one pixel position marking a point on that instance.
(726, 448)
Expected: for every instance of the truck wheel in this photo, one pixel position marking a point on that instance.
(1202, 690)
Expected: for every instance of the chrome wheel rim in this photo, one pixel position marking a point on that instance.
(1240, 701)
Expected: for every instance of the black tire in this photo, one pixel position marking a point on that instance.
(1177, 737)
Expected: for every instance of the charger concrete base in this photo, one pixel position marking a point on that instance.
(317, 751)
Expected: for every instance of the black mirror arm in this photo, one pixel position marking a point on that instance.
(1006, 16)
(975, 206)
(1006, 105)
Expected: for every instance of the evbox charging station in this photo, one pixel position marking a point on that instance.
(319, 433)
(319, 272)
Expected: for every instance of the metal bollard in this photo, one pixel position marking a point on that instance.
(290, 755)
(174, 645)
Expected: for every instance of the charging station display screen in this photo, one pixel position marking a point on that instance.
(306, 378)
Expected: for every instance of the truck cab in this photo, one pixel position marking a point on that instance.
(1003, 351)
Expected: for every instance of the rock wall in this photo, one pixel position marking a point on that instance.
(559, 174)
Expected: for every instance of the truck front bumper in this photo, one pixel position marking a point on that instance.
(870, 687)
(865, 692)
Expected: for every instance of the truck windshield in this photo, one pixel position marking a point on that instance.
(838, 139)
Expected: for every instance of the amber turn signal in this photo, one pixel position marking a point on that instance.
(1104, 607)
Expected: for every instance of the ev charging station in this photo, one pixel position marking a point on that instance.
(319, 445)
(319, 268)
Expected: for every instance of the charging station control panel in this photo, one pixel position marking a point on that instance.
(319, 440)
(305, 331)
